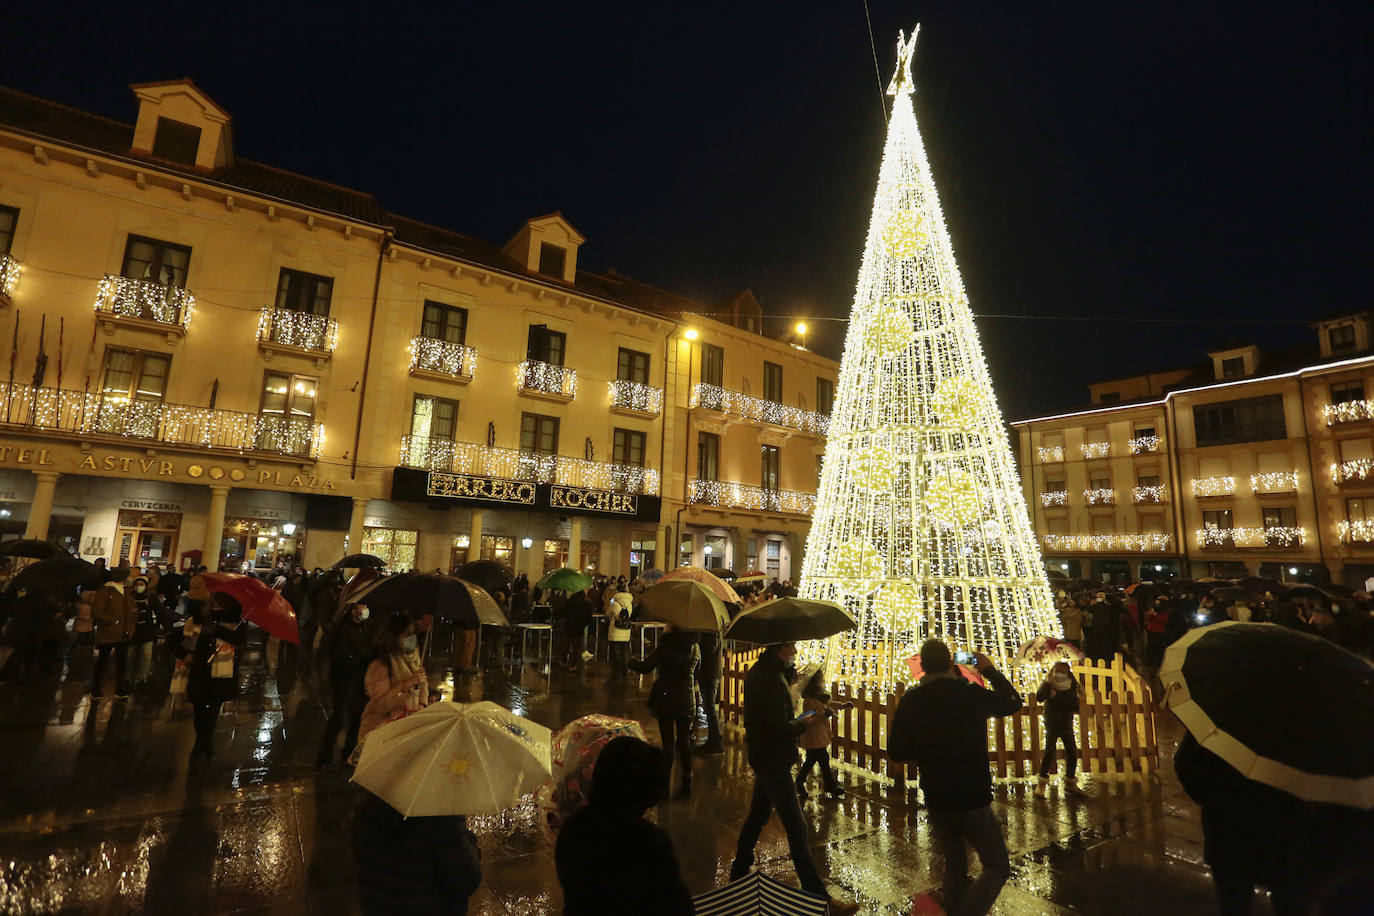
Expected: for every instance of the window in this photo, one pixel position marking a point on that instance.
(495, 547)
(135, 375)
(551, 260)
(298, 291)
(9, 218)
(1341, 337)
(1109, 397)
(1147, 480)
(825, 396)
(1234, 367)
(714, 551)
(1100, 483)
(546, 346)
(772, 382)
(685, 550)
(632, 366)
(1356, 450)
(433, 418)
(770, 462)
(1143, 431)
(394, 545)
(1345, 392)
(288, 396)
(773, 559)
(628, 447)
(176, 140)
(1246, 420)
(712, 365)
(159, 262)
(444, 322)
(1218, 520)
(1279, 524)
(752, 553)
(539, 434)
(1360, 508)
(1054, 486)
(708, 456)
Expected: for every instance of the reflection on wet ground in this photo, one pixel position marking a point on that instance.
(100, 815)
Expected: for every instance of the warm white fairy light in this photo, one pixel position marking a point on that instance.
(1348, 412)
(1144, 445)
(920, 526)
(636, 396)
(713, 397)
(1282, 536)
(533, 375)
(10, 269)
(429, 354)
(1054, 498)
(1355, 469)
(1051, 454)
(1151, 493)
(1100, 496)
(1153, 542)
(298, 329)
(1213, 486)
(1096, 449)
(126, 297)
(1274, 482)
(731, 495)
(479, 460)
(1356, 530)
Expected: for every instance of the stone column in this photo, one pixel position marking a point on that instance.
(666, 555)
(40, 511)
(475, 536)
(575, 543)
(214, 527)
(355, 524)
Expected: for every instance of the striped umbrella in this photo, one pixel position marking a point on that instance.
(756, 894)
(709, 579)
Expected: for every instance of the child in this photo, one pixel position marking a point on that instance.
(1060, 696)
(816, 739)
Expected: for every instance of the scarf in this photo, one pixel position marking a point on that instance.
(1061, 682)
(403, 666)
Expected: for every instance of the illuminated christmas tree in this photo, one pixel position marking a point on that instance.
(920, 526)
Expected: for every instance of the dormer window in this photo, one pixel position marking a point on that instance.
(1234, 367)
(1341, 337)
(552, 259)
(176, 141)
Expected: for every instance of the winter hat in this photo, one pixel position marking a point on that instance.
(138, 579)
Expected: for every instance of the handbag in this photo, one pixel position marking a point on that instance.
(180, 675)
(222, 662)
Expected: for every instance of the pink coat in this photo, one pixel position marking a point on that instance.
(817, 734)
(385, 698)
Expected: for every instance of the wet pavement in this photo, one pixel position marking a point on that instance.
(99, 815)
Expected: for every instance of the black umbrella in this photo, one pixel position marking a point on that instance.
(1230, 593)
(788, 620)
(1308, 591)
(1258, 585)
(727, 574)
(489, 574)
(57, 577)
(360, 561)
(446, 597)
(1284, 708)
(38, 550)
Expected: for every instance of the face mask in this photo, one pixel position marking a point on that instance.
(408, 643)
(140, 588)
(363, 614)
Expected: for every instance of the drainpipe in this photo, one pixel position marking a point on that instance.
(1179, 532)
(686, 456)
(382, 247)
(663, 447)
(1311, 477)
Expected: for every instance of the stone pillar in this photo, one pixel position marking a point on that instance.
(355, 524)
(575, 543)
(40, 511)
(214, 527)
(739, 556)
(475, 536)
(666, 555)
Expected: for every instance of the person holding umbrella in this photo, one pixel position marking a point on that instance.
(396, 682)
(350, 652)
(209, 648)
(673, 699)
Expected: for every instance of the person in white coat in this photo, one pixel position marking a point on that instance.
(618, 609)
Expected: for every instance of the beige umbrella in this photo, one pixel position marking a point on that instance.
(715, 583)
(455, 758)
(687, 605)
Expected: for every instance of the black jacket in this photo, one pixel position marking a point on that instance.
(578, 612)
(350, 651)
(771, 727)
(711, 662)
(1059, 709)
(615, 864)
(417, 865)
(941, 725)
(674, 694)
(201, 688)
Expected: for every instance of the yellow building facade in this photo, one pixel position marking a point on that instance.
(1253, 464)
(218, 361)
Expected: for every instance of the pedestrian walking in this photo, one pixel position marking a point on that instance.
(349, 652)
(577, 615)
(708, 680)
(413, 865)
(147, 630)
(771, 730)
(210, 641)
(815, 741)
(396, 682)
(673, 699)
(116, 616)
(610, 860)
(941, 726)
(1060, 695)
(618, 630)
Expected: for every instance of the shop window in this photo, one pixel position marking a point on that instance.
(772, 382)
(498, 548)
(546, 346)
(538, 434)
(773, 557)
(458, 551)
(632, 366)
(1345, 392)
(685, 549)
(156, 261)
(628, 448)
(396, 546)
(714, 552)
(147, 537)
(770, 460)
(256, 543)
(9, 219)
(444, 322)
(298, 291)
(825, 395)
(134, 375)
(433, 418)
(708, 456)
(712, 365)
(752, 550)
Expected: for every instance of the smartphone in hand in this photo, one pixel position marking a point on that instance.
(965, 658)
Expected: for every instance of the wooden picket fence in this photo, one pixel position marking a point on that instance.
(1115, 734)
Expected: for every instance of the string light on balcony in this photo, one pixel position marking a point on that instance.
(298, 329)
(127, 297)
(1150, 493)
(638, 396)
(1151, 542)
(731, 495)
(10, 269)
(437, 454)
(1213, 486)
(1348, 412)
(1101, 496)
(1096, 449)
(1051, 454)
(1356, 530)
(534, 375)
(429, 354)
(1281, 536)
(713, 397)
(1144, 445)
(1052, 498)
(1355, 469)
(1274, 482)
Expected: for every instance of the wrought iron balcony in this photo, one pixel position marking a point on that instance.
(1052, 498)
(1279, 537)
(126, 297)
(1144, 445)
(1051, 454)
(9, 275)
(712, 397)
(1096, 449)
(442, 357)
(1149, 494)
(1101, 496)
(1111, 543)
(1348, 412)
(434, 454)
(124, 418)
(315, 333)
(1356, 530)
(1355, 469)
(546, 379)
(636, 397)
(1274, 482)
(1204, 487)
(730, 495)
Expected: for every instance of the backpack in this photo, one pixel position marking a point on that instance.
(622, 619)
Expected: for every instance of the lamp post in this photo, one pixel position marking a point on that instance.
(801, 333)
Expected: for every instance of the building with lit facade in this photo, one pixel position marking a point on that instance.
(1255, 463)
(214, 360)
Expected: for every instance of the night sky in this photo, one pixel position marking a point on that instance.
(1198, 164)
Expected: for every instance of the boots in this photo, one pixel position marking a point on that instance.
(1040, 786)
(1071, 786)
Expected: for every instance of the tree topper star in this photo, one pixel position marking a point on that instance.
(901, 77)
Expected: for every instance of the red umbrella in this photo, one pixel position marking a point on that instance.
(261, 605)
(970, 672)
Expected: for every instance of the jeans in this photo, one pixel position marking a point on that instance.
(710, 701)
(980, 828)
(345, 714)
(102, 657)
(817, 756)
(204, 716)
(676, 735)
(141, 661)
(1047, 761)
(619, 652)
(774, 790)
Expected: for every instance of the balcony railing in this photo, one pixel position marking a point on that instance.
(1144, 445)
(1356, 530)
(1096, 449)
(546, 378)
(487, 461)
(730, 495)
(302, 330)
(9, 274)
(1052, 498)
(1118, 543)
(125, 297)
(1149, 494)
(1274, 482)
(429, 354)
(1356, 469)
(1204, 487)
(1280, 537)
(712, 397)
(1050, 454)
(1102, 496)
(636, 396)
(120, 417)
(1348, 412)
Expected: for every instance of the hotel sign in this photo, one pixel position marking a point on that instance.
(486, 489)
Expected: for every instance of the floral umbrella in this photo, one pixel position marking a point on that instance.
(709, 579)
(575, 749)
(1046, 648)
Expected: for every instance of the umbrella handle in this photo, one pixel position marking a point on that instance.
(428, 634)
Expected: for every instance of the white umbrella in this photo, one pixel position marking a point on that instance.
(756, 894)
(455, 758)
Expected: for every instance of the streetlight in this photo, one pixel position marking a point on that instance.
(706, 550)
(801, 332)
(690, 334)
(527, 543)
(289, 529)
